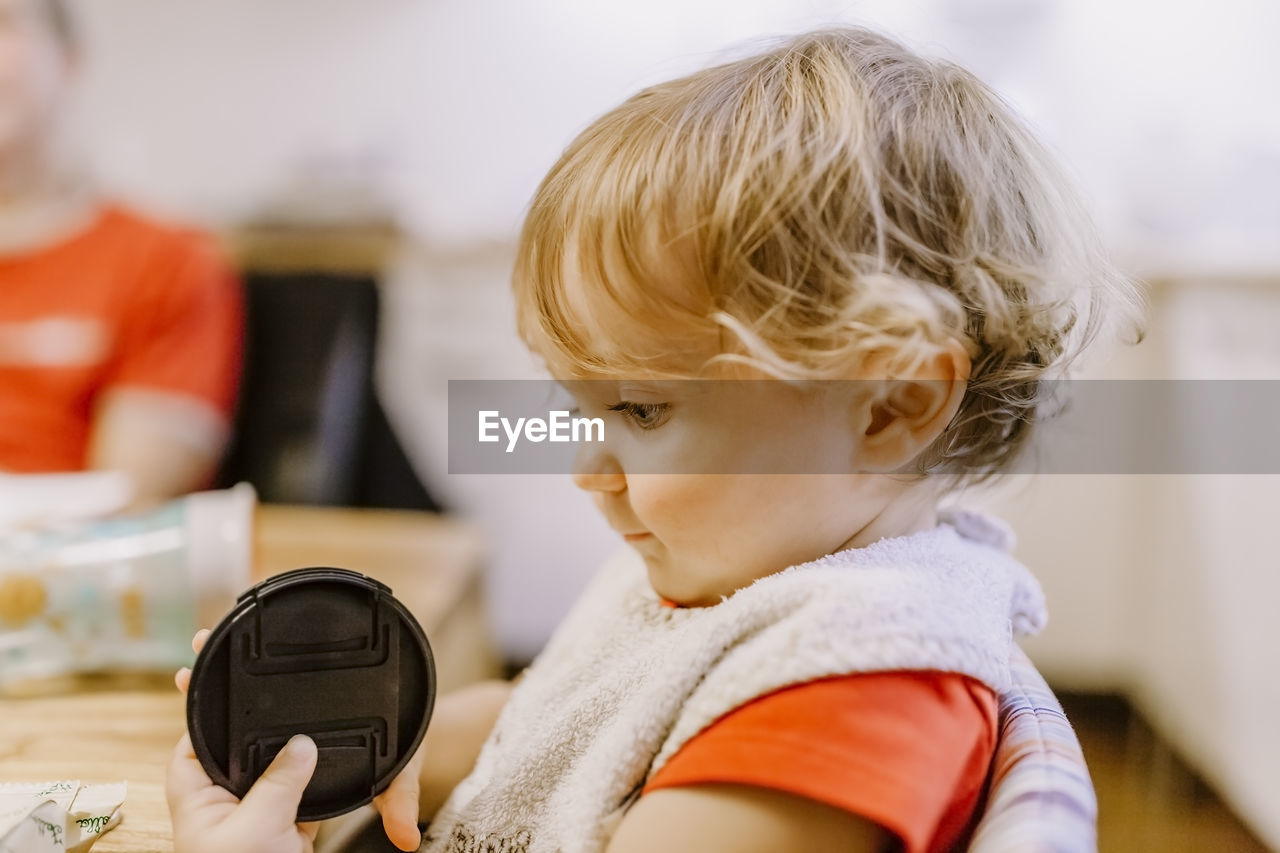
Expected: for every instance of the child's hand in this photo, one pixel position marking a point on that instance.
(208, 817)
(398, 804)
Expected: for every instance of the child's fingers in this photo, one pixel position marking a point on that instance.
(182, 678)
(399, 807)
(182, 751)
(185, 777)
(279, 790)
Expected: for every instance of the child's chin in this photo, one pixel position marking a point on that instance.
(680, 596)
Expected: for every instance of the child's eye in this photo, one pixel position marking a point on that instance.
(644, 415)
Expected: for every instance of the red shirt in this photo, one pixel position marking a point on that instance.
(127, 303)
(906, 750)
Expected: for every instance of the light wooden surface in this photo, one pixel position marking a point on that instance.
(107, 729)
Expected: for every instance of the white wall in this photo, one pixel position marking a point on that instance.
(454, 110)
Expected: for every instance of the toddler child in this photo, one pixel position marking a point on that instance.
(799, 650)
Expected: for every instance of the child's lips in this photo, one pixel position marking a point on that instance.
(635, 537)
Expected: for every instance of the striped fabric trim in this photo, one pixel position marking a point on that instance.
(1040, 799)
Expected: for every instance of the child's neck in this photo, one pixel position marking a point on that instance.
(907, 513)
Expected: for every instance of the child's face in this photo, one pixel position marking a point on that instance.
(719, 482)
(34, 69)
(704, 535)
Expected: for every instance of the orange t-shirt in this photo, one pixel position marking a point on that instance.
(126, 303)
(907, 750)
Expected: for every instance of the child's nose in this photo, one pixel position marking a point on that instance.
(596, 470)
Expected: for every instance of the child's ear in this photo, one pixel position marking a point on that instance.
(899, 417)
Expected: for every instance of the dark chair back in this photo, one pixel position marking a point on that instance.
(309, 428)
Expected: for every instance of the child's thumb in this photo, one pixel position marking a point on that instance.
(278, 791)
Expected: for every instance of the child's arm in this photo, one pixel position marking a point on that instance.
(741, 819)
(459, 726)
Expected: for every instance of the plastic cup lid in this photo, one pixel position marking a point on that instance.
(219, 554)
(324, 652)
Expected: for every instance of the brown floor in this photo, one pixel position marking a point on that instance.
(1148, 800)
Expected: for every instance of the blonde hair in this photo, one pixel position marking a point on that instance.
(835, 196)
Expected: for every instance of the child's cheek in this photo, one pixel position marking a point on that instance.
(670, 505)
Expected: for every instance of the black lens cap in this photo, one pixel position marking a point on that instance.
(324, 652)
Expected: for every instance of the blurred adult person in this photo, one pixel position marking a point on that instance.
(120, 336)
